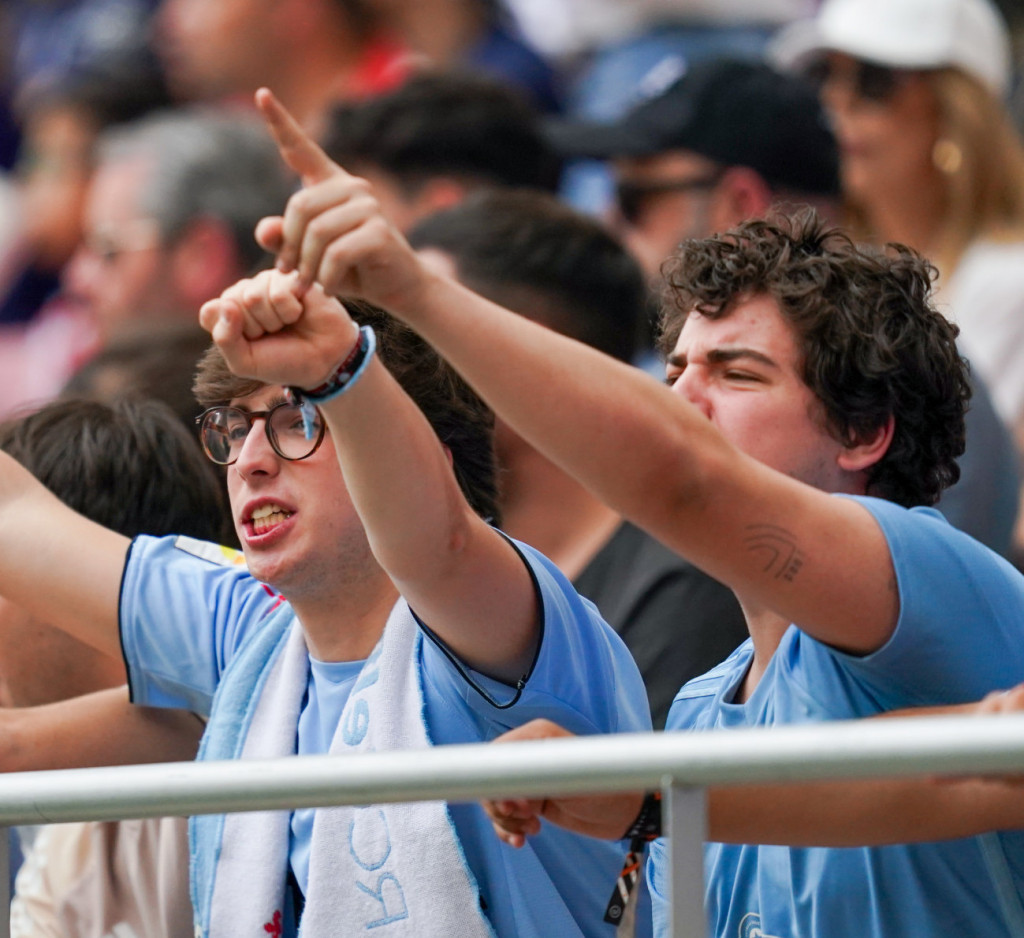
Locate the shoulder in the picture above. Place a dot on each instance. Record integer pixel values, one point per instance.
(557, 597)
(926, 549)
(924, 535)
(185, 554)
(583, 675)
(958, 599)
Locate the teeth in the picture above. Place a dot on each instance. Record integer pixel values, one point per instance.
(266, 516)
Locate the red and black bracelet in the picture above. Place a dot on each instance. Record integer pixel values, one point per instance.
(341, 379)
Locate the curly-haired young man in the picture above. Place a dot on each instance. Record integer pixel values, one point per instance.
(804, 369)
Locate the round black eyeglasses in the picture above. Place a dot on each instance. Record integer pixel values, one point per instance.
(223, 431)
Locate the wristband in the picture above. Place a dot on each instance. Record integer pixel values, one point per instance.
(647, 825)
(341, 379)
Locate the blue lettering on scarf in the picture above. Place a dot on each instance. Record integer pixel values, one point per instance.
(398, 895)
(369, 843)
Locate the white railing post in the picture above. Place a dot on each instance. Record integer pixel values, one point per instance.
(684, 819)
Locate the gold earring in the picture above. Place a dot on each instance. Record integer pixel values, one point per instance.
(947, 156)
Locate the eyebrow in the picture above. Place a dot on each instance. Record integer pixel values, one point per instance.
(270, 404)
(720, 356)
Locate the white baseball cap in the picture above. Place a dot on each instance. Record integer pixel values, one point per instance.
(968, 34)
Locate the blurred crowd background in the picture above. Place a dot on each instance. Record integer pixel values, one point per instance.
(133, 171)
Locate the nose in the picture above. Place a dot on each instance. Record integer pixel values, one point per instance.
(838, 93)
(837, 97)
(692, 386)
(257, 457)
(81, 274)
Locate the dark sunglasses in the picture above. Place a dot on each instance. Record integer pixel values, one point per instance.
(223, 431)
(870, 82)
(632, 197)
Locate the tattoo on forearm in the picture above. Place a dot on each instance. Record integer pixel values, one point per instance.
(782, 557)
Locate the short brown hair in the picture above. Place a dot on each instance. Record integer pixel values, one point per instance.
(460, 419)
(872, 344)
(129, 465)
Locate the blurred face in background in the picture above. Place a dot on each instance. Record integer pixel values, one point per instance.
(662, 200)
(215, 48)
(121, 270)
(53, 179)
(886, 122)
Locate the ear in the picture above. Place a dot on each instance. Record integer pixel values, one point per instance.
(438, 194)
(865, 453)
(204, 261)
(741, 194)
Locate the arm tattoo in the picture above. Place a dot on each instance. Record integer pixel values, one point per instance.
(782, 557)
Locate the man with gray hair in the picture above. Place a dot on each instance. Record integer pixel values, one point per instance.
(170, 214)
(167, 224)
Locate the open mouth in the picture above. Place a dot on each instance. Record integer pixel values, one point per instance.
(268, 516)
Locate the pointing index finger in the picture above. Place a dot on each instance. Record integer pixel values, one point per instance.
(299, 151)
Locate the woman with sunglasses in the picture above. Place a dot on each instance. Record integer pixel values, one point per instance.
(929, 158)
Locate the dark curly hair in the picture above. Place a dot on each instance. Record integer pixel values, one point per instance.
(872, 344)
(459, 417)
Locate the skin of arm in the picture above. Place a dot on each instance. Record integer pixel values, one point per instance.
(462, 577)
(642, 449)
(102, 728)
(59, 566)
(814, 814)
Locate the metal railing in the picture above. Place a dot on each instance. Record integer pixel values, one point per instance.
(683, 764)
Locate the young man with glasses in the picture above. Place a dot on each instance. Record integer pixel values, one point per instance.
(379, 610)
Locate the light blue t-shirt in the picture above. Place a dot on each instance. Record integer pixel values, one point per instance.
(330, 685)
(183, 618)
(960, 634)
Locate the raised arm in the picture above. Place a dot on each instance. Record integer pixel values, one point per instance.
(459, 575)
(102, 728)
(58, 565)
(647, 452)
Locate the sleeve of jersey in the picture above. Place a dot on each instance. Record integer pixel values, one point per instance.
(583, 676)
(186, 608)
(960, 632)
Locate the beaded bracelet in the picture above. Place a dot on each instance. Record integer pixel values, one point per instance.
(340, 380)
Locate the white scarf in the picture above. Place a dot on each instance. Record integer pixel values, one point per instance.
(394, 865)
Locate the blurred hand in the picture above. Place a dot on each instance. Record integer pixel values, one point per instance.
(1002, 701)
(993, 704)
(604, 816)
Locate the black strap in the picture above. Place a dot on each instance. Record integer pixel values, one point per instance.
(626, 882)
(642, 831)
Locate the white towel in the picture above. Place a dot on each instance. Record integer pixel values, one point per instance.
(395, 866)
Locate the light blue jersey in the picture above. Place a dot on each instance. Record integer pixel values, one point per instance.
(183, 618)
(960, 634)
